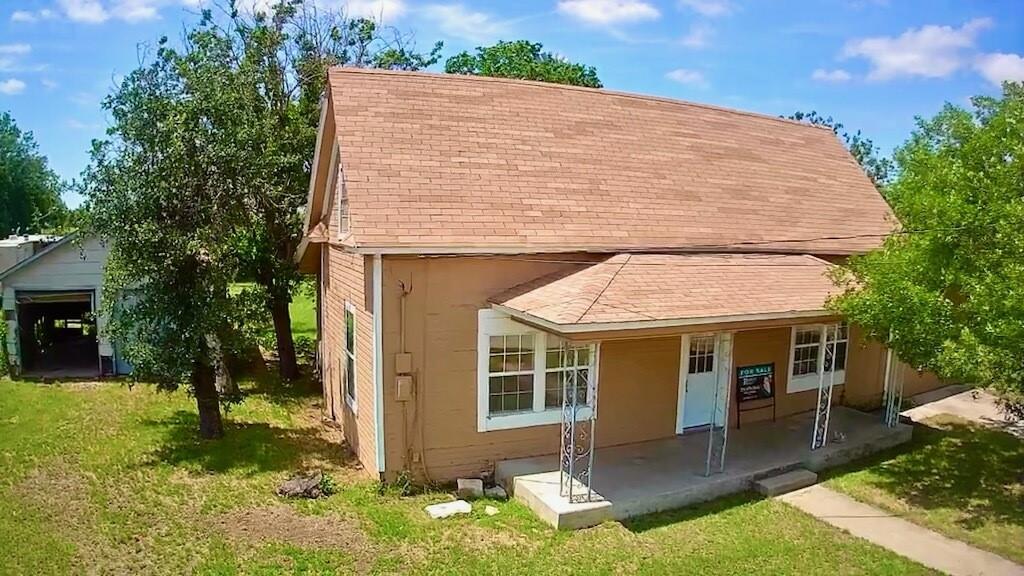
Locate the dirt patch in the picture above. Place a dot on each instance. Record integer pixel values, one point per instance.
(57, 488)
(283, 524)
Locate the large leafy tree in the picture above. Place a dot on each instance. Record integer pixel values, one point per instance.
(164, 189)
(202, 180)
(280, 60)
(524, 60)
(945, 293)
(29, 190)
(878, 168)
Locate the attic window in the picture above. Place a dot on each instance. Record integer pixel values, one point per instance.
(343, 219)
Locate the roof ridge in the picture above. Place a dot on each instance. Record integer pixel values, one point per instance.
(552, 85)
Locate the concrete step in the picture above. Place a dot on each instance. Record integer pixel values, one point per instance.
(788, 482)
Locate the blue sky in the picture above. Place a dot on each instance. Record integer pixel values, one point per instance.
(872, 64)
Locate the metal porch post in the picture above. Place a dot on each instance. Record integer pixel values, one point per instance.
(576, 453)
(819, 436)
(718, 436)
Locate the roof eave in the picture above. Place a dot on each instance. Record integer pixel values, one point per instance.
(588, 327)
(481, 250)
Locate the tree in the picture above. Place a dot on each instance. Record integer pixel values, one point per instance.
(164, 190)
(280, 61)
(878, 168)
(945, 291)
(524, 60)
(29, 190)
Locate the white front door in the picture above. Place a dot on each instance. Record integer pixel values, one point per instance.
(699, 381)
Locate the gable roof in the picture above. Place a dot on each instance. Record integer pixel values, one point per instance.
(37, 256)
(439, 162)
(655, 290)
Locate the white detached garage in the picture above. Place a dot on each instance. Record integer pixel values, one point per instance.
(51, 305)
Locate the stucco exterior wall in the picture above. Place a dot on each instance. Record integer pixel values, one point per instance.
(435, 432)
(344, 280)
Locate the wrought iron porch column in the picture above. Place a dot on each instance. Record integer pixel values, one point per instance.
(576, 453)
(892, 393)
(827, 357)
(718, 432)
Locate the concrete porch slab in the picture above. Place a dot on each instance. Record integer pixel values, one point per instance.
(636, 479)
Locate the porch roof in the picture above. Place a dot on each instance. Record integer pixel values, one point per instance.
(635, 291)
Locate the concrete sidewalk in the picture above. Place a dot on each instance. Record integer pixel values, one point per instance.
(971, 404)
(902, 537)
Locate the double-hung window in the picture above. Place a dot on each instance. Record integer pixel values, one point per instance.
(349, 357)
(521, 371)
(808, 357)
(561, 364)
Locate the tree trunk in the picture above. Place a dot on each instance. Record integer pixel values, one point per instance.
(226, 385)
(288, 367)
(205, 388)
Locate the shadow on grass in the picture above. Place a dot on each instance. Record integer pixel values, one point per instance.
(246, 446)
(261, 377)
(954, 464)
(647, 522)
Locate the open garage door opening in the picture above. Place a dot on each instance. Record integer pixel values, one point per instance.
(57, 335)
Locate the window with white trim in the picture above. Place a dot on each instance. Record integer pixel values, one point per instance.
(510, 374)
(558, 364)
(349, 357)
(343, 218)
(807, 352)
(520, 371)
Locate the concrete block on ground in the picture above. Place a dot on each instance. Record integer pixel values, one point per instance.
(446, 509)
(470, 488)
(496, 493)
(788, 482)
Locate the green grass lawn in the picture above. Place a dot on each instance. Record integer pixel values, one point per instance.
(302, 309)
(106, 479)
(961, 479)
(303, 313)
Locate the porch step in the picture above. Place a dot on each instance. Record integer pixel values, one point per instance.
(788, 482)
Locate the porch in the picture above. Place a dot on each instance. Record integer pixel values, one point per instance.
(635, 479)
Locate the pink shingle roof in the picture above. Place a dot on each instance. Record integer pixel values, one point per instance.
(688, 289)
(438, 161)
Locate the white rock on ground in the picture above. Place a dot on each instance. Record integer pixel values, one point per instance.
(490, 510)
(496, 493)
(470, 488)
(446, 509)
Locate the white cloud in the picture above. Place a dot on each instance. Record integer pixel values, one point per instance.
(135, 10)
(709, 8)
(698, 37)
(12, 86)
(15, 49)
(384, 10)
(48, 84)
(23, 16)
(457, 21)
(29, 16)
(930, 51)
(689, 77)
(608, 12)
(997, 67)
(832, 76)
(90, 11)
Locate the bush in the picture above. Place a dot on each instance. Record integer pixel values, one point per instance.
(305, 350)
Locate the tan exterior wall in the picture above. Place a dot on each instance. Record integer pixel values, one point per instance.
(639, 376)
(344, 280)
